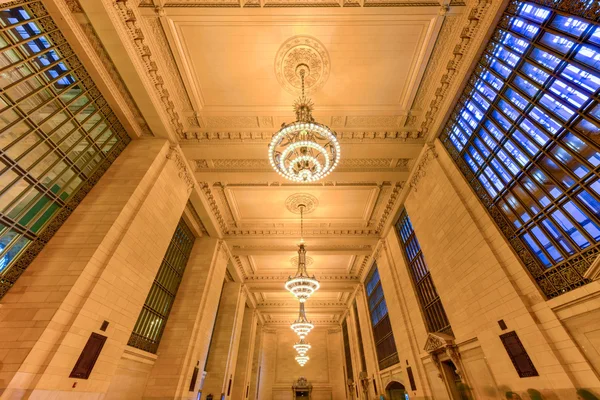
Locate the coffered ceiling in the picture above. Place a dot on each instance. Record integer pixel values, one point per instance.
(222, 75)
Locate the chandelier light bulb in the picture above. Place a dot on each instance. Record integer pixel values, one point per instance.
(301, 325)
(304, 151)
(302, 360)
(302, 285)
(302, 347)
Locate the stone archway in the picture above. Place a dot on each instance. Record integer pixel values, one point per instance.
(395, 391)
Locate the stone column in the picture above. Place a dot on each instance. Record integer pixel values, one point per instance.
(222, 359)
(366, 329)
(254, 378)
(267, 364)
(243, 369)
(98, 267)
(186, 337)
(335, 345)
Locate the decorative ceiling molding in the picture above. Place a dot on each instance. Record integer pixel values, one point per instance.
(390, 205)
(346, 165)
(129, 18)
(293, 303)
(421, 169)
(226, 137)
(214, 208)
(283, 278)
(464, 51)
(164, 55)
(296, 3)
(297, 201)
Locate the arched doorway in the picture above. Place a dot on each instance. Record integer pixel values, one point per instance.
(395, 391)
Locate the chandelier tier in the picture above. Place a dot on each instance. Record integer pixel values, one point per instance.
(302, 360)
(302, 347)
(302, 326)
(304, 151)
(302, 285)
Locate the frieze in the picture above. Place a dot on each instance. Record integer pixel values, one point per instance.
(297, 3)
(266, 136)
(350, 164)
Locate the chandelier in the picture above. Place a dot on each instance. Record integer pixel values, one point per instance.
(302, 326)
(302, 285)
(304, 151)
(302, 347)
(302, 360)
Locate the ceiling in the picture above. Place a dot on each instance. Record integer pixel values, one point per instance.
(225, 64)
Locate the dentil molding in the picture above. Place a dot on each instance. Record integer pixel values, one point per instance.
(174, 154)
(420, 171)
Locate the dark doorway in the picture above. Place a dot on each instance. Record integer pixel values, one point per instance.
(395, 390)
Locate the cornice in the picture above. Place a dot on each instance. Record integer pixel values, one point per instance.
(293, 303)
(129, 17)
(228, 137)
(294, 3)
(322, 278)
(478, 19)
(420, 171)
(262, 165)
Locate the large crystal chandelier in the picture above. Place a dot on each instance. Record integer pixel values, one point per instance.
(302, 347)
(304, 151)
(301, 325)
(302, 360)
(302, 285)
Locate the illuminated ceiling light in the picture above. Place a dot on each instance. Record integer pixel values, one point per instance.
(302, 285)
(302, 347)
(304, 151)
(302, 360)
(302, 326)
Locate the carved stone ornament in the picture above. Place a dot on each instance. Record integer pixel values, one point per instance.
(294, 202)
(421, 168)
(300, 50)
(184, 172)
(437, 341)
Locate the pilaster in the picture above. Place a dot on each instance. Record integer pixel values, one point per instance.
(222, 359)
(243, 369)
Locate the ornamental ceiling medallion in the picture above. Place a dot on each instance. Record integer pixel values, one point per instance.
(302, 50)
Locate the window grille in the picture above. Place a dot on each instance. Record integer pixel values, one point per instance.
(347, 351)
(429, 300)
(57, 135)
(151, 322)
(380, 321)
(525, 134)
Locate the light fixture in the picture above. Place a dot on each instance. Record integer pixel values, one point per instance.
(302, 360)
(302, 285)
(304, 151)
(302, 347)
(302, 326)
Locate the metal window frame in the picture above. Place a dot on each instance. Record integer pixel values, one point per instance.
(384, 360)
(566, 274)
(429, 300)
(99, 162)
(161, 297)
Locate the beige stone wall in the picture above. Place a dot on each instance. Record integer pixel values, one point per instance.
(279, 368)
(480, 281)
(99, 266)
(131, 377)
